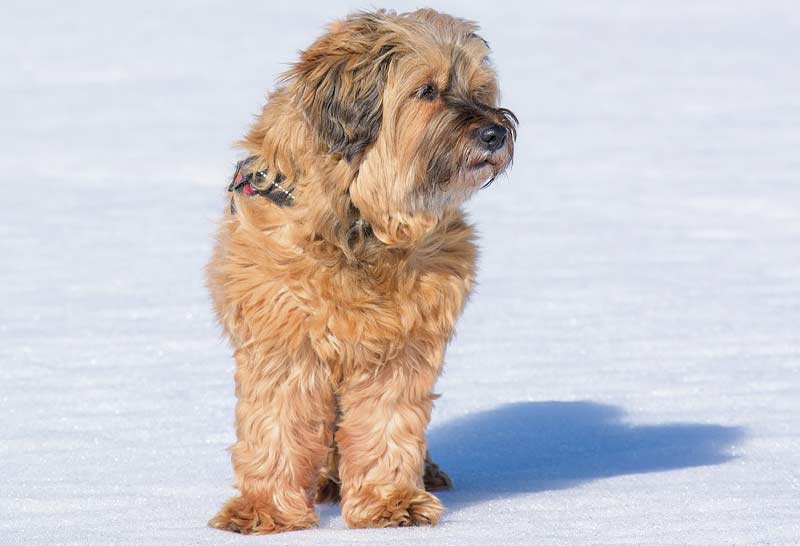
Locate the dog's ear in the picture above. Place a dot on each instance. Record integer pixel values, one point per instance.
(339, 82)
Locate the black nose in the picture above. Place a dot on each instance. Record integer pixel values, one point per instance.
(492, 137)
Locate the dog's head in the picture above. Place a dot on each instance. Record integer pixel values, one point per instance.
(410, 102)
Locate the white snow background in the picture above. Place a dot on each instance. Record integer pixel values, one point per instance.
(628, 371)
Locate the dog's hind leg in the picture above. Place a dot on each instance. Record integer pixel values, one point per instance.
(435, 478)
(328, 485)
(284, 426)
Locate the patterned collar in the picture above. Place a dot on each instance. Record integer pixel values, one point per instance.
(250, 183)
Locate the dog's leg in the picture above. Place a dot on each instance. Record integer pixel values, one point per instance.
(328, 485)
(284, 420)
(381, 439)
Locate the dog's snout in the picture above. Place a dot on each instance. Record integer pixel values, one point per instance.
(492, 137)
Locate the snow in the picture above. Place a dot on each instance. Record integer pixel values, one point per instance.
(628, 371)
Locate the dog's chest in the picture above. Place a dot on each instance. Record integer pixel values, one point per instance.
(281, 303)
(367, 322)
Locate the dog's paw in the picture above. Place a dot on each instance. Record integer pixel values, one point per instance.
(258, 517)
(398, 508)
(435, 478)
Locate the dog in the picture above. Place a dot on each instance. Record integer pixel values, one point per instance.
(343, 261)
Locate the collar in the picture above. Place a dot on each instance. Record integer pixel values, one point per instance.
(251, 183)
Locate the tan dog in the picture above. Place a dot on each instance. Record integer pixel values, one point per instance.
(344, 262)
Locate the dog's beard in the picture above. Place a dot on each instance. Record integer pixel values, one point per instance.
(452, 167)
(448, 184)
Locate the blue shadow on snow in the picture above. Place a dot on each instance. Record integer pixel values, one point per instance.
(538, 446)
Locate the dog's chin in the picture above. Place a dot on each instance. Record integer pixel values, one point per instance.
(474, 174)
(465, 184)
(482, 171)
(479, 174)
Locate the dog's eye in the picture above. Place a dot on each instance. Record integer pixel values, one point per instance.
(427, 92)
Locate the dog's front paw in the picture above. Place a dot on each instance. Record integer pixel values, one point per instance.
(259, 517)
(396, 508)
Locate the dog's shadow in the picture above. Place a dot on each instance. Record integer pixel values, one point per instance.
(537, 446)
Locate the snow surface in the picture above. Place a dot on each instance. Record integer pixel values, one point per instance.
(628, 371)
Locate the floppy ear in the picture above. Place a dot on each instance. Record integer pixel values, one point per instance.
(339, 80)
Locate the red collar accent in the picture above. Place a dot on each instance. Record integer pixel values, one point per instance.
(243, 182)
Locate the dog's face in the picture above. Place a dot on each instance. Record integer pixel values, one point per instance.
(411, 102)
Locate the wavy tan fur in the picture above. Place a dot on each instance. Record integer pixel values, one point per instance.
(339, 308)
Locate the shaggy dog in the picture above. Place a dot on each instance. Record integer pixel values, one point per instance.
(343, 262)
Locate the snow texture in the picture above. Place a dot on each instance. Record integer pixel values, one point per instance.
(628, 371)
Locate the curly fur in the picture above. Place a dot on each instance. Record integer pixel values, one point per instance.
(340, 307)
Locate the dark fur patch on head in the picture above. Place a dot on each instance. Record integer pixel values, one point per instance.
(341, 79)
